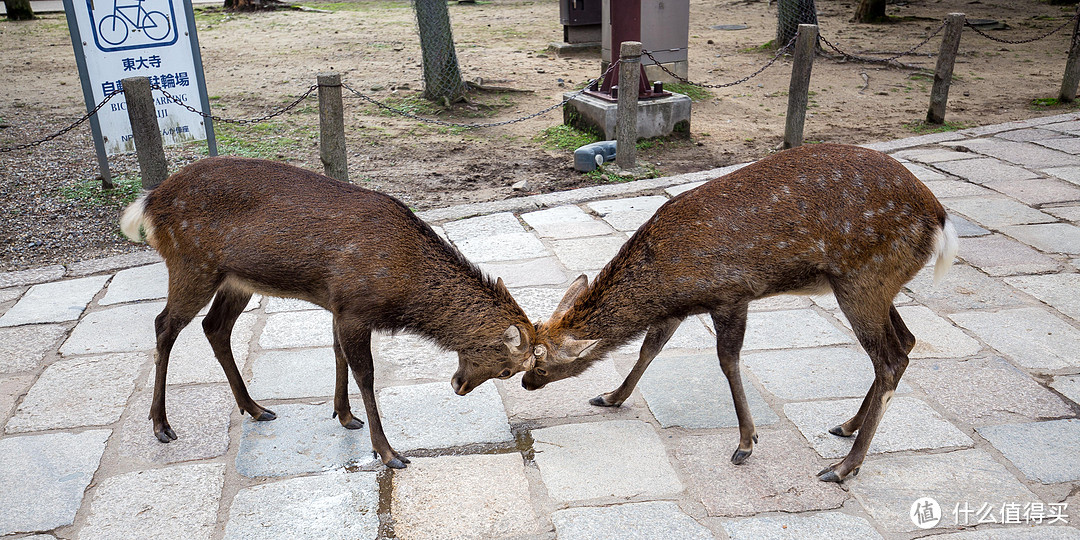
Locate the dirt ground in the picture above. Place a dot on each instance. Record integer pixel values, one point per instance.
(257, 62)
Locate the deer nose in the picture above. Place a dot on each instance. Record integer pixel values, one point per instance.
(459, 385)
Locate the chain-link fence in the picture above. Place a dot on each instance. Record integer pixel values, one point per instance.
(442, 76)
(789, 15)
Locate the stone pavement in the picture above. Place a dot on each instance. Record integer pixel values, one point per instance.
(984, 423)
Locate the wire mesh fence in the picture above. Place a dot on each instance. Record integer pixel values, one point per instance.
(442, 75)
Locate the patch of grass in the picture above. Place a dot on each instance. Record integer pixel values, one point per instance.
(602, 175)
(564, 137)
(921, 127)
(769, 46)
(695, 93)
(1052, 103)
(266, 140)
(88, 191)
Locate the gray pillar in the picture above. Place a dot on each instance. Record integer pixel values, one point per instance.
(799, 89)
(332, 127)
(145, 131)
(950, 43)
(627, 113)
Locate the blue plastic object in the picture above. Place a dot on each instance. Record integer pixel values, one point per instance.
(590, 156)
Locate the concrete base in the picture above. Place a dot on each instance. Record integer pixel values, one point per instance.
(572, 49)
(656, 117)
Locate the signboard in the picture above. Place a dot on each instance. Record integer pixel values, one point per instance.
(117, 39)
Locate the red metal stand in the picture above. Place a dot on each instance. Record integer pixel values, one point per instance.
(625, 26)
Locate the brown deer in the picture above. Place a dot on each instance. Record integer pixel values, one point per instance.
(803, 221)
(231, 226)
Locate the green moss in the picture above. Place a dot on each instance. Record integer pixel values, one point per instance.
(565, 137)
(695, 93)
(89, 191)
(922, 127)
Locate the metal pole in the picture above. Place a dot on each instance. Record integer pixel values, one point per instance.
(332, 127)
(950, 43)
(799, 89)
(88, 94)
(1072, 66)
(627, 114)
(145, 131)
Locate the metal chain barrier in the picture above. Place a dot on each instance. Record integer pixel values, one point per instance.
(893, 58)
(216, 118)
(1021, 41)
(84, 118)
(684, 80)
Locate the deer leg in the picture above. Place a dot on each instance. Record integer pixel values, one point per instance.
(355, 341)
(907, 339)
(342, 408)
(730, 325)
(655, 339)
(228, 304)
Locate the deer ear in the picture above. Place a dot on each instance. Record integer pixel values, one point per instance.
(576, 348)
(500, 285)
(516, 340)
(580, 285)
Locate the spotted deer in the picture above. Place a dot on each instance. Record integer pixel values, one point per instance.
(228, 227)
(804, 221)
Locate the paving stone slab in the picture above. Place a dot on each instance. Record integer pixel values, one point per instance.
(825, 372)
(44, 477)
(293, 329)
(294, 374)
(198, 415)
(683, 188)
(117, 329)
(545, 271)
(691, 391)
(567, 398)
(303, 439)
(80, 392)
(779, 476)
(579, 254)
(23, 348)
(936, 337)
(908, 142)
(791, 329)
(1049, 237)
(636, 521)
(633, 462)
(502, 247)
(832, 525)
(31, 276)
(482, 226)
(954, 187)
(982, 170)
(1064, 126)
(1044, 451)
(169, 503)
(908, 424)
(924, 174)
(331, 506)
(1032, 337)
(888, 487)
(1068, 213)
(431, 416)
(150, 282)
(565, 222)
(1016, 532)
(933, 155)
(998, 255)
(466, 497)
(113, 263)
(1069, 386)
(58, 301)
(192, 359)
(781, 302)
(963, 288)
(997, 213)
(1057, 290)
(1019, 153)
(275, 304)
(11, 293)
(693, 333)
(408, 357)
(1037, 191)
(1069, 173)
(630, 213)
(12, 387)
(985, 391)
(538, 303)
(967, 229)
(1030, 135)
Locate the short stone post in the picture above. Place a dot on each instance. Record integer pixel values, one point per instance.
(145, 131)
(1072, 65)
(950, 43)
(332, 127)
(799, 89)
(627, 113)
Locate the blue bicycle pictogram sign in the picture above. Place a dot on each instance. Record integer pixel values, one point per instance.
(132, 26)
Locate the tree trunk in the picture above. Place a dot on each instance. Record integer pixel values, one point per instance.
(442, 76)
(19, 10)
(790, 14)
(870, 11)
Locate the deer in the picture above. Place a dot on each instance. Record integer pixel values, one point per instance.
(808, 220)
(228, 227)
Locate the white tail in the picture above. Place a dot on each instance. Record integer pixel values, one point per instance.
(946, 245)
(133, 223)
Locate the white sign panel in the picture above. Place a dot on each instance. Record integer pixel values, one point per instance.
(140, 38)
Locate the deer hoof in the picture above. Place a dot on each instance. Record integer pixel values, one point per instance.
(397, 463)
(754, 438)
(601, 401)
(740, 456)
(829, 474)
(265, 415)
(165, 435)
(839, 431)
(354, 424)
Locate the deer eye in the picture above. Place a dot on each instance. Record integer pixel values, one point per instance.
(506, 373)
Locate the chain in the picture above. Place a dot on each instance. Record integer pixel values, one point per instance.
(84, 118)
(283, 110)
(1020, 41)
(684, 80)
(908, 52)
(474, 126)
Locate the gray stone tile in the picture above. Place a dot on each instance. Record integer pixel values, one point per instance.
(832, 525)
(1069, 386)
(1030, 135)
(779, 476)
(97, 332)
(887, 487)
(293, 329)
(174, 502)
(924, 174)
(1044, 451)
(431, 416)
(946, 189)
(44, 477)
(1068, 213)
(567, 398)
(466, 497)
(825, 372)
(781, 302)
(691, 391)
(919, 140)
(693, 333)
(982, 170)
(149, 282)
(787, 329)
(996, 213)
(998, 255)
(23, 348)
(628, 214)
(502, 247)
(933, 155)
(192, 359)
(12, 387)
(294, 374)
(199, 416)
(984, 391)
(538, 303)
(580, 254)
(1050, 237)
(1030, 336)
(482, 226)
(963, 288)
(1037, 191)
(31, 276)
(11, 293)
(545, 271)
(565, 222)
(113, 263)
(332, 506)
(303, 439)
(1020, 153)
(633, 462)
(1057, 290)
(936, 337)
(683, 188)
(908, 424)
(408, 357)
(1065, 127)
(80, 392)
(58, 301)
(1069, 145)
(277, 305)
(1069, 173)
(636, 521)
